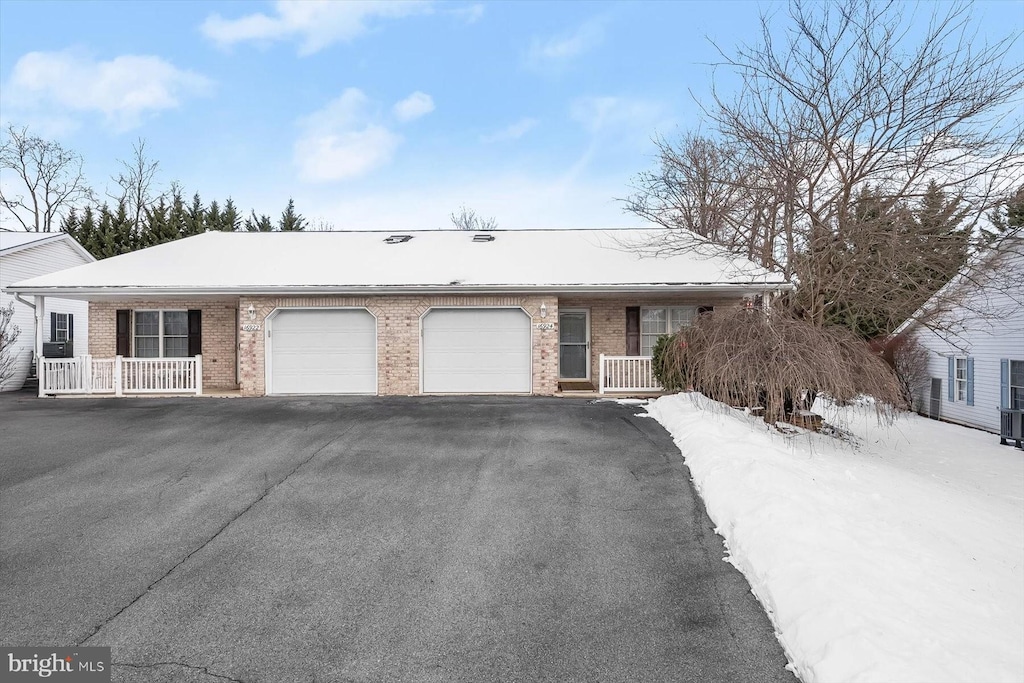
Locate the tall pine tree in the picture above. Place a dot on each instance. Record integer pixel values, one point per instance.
(290, 220)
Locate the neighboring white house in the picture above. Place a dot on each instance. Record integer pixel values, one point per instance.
(976, 367)
(30, 254)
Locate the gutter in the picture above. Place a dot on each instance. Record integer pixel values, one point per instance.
(114, 292)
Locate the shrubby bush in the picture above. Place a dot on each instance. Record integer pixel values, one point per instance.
(746, 358)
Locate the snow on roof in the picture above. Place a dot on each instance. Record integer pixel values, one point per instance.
(13, 240)
(216, 262)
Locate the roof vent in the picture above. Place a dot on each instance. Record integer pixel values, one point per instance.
(483, 238)
(397, 239)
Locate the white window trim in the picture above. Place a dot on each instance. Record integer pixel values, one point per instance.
(160, 329)
(960, 382)
(58, 329)
(668, 324)
(1011, 385)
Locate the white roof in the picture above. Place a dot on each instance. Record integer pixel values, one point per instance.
(11, 242)
(438, 260)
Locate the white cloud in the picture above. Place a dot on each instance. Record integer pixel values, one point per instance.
(469, 14)
(125, 89)
(556, 51)
(516, 199)
(316, 24)
(600, 114)
(414, 106)
(341, 141)
(512, 131)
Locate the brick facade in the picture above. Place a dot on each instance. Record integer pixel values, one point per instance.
(608, 318)
(398, 332)
(218, 333)
(398, 336)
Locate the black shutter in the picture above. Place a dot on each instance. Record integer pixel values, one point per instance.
(705, 309)
(632, 330)
(53, 326)
(71, 327)
(124, 325)
(195, 332)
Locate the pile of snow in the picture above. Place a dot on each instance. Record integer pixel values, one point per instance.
(896, 555)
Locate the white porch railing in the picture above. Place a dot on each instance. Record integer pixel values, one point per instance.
(626, 373)
(120, 376)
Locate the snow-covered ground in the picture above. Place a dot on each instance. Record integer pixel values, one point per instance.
(897, 558)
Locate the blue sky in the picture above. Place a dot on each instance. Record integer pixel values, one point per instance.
(379, 114)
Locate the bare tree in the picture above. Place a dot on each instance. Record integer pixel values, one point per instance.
(849, 100)
(135, 184)
(9, 334)
(468, 219)
(49, 180)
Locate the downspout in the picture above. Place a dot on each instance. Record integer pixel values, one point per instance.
(37, 341)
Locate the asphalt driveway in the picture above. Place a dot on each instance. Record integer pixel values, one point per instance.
(426, 539)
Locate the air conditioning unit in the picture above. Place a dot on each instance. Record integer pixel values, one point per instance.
(1011, 426)
(58, 349)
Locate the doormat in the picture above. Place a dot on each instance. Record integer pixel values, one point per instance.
(576, 385)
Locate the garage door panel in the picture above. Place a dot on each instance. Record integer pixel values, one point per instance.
(476, 351)
(323, 352)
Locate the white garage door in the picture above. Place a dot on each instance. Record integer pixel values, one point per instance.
(323, 352)
(476, 351)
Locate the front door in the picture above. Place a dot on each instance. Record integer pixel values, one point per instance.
(573, 345)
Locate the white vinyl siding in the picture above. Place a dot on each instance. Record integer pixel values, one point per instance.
(476, 351)
(987, 341)
(160, 334)
(656, 322)
(323, 351)
(34, 261)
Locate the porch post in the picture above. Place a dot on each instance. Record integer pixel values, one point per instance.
(600, 374)
(38, 342)
(199, 375)
(118, 389)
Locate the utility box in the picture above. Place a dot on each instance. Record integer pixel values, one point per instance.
(1011, 427)
(58, 349)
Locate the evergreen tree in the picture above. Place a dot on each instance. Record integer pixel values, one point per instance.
(177, 215)
(125, 239)
(290, 220)
(1007, 215)
(195, 217)
(105, 243)
(87, 235)
(230, 220)
(158, 228)
(213, 217)
(71, 225)
(258, 224)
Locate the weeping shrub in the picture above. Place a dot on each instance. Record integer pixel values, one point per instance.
(669, 376)
(745, 358)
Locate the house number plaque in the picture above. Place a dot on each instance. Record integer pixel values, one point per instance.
(545, 326)
(251, 327)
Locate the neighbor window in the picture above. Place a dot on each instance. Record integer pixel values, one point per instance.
(1017, 384)
(161, 334)
(960, 378)
(655, 322)
(61, 327)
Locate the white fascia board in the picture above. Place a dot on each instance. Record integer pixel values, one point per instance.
(126, 292)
